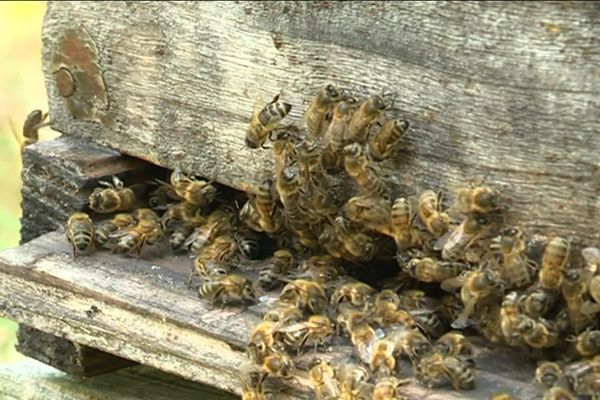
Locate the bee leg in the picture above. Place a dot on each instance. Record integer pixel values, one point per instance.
(189, 282)
(74, 250)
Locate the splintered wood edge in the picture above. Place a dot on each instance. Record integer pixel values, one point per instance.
(140, 310)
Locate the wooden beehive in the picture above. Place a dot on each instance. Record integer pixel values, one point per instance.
(501, 92)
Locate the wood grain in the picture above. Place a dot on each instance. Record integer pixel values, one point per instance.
(497, 91)
(141, 310)
(35, 381)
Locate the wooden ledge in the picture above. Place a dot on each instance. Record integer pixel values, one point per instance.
(141, 310)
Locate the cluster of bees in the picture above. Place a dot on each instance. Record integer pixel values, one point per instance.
(349, 259)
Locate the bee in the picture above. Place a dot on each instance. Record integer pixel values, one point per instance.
(105, 228)
(31, 126)
(162, 197)
(429, 211)
(317, 330)
(402, 218)
(146, 231)
(587, 343)
(554, 260)
(179, 235)
(478, 284)
(536, 302)
(217, 223)
(428, 320)
(478, 200)
(252, 387)
(250, 217)
(584, 377)
(264, 120)
(321, 269)
(454, 244)
(322, 104)
(516, 269)
(374, 213)
(430, 270)
(113, 197)
(283, 313)
(388, 389)
(539, 333)
(436, 369)
(510, 318)
(548, 374)
(274, 269)
(366, 114)
(278, 365)
(353, 381)
(384, 142)
(305, 295)
(181, 213)
(411, 343)
(227, 289)
(558, 393)
(356, 245)
(322, 377)
(247, 243)
(574, 289)
(382, 361)
(336, 131)
(349, 318)
(592, 257)
(453, 344)
(80, 232)
(412, 299)
(262, 341)
(358, 294)
(197, 192)
(364, 173)
(205, 268)
(266, 206)
(363, 338)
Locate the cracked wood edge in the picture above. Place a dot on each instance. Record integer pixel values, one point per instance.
(145, 313)
(501, 92)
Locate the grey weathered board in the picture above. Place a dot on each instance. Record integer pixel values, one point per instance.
(505, 92)
(141, 310)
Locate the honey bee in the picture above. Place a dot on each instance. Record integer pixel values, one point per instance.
(348, 318)
(510, 318)
(198, 192)
(322, 104)
(262, 342)
(429, 211)
(221, 249)
(162, 196)
(283, 313)
(516, 270)
(252, 387)
(317, 330)
(105, 228)
(321, 269)
(574, 289)
(454, 244)
(436, 369)
(387, 316)
(266, 206)
(217, 223)
(429, 321)
(278, 365)
(264, 120)
(478, 200)
(539, 333)
(274, 269)
(558, 393)
(430, 270)
(592, 258)
(113, 197)
(388, 389)
(179, 235)
(453, 344)
(322, 377)
(356, 245)
(382, 361)
(548, 374)
(384, 142)
(363, 338)
(364, 173)
(31, 126)
(80, 232)
(554, 260)
(336, 131)
(250, 217)
(536, 302)
(229, 289)
(358, 294)
(587, 343)
(478, 284)
(146, 231)
(584, 377)
(305, 295)
(402, 218)
(353, 382)
(181, 213)
(205, 268)
(361, 121)
(374, 213)
(411, 343)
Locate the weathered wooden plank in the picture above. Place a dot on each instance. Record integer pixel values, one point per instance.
(35, 381)
(62, 354)
(58, 176)
(502, 91)
(141, 310)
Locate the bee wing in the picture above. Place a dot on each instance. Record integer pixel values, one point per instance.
(119, 233)
(442, 240)
(298, 326)
(591, 255)
(170, 189)
(452, 284)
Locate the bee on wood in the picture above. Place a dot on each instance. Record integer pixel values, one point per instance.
(316, 114)
(554, 260)
(113, 197)
(33, 123)
(353, 382)
(592, 257)
(538, 333)
(548, 374)
(349, 318)
(305, 295)
(478, 200)
(206, 268)
(587, 343)
(373, 213)
(264, 121)
(510, 319)
(366, 175)
(515, 269)
(429, 211)
(411, 343)
(278, 365)
(402, 218)
(430, 270)
(147, 230)
(584, 377)
(250, 217)
(180, 234)
(198, 192)
(358, 294)
(283, 313)
(105, 228)
(453, 344)
(181, 213)
(322, 377)
(383, 362)
(574, 290)
(229, 289)
(389, 388)
(252, 386)
(454, 244)
(436, 369)
(315, 331)
(336, 131)
(363, 338)
(217, 223)
(162, 196)
(321, 269)
(356, 244)
(385, 142)
(558, 393)
(270, 220)
(275, 268)
(366, 114)
(80, 232)
(262, 341)
(536, 302)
